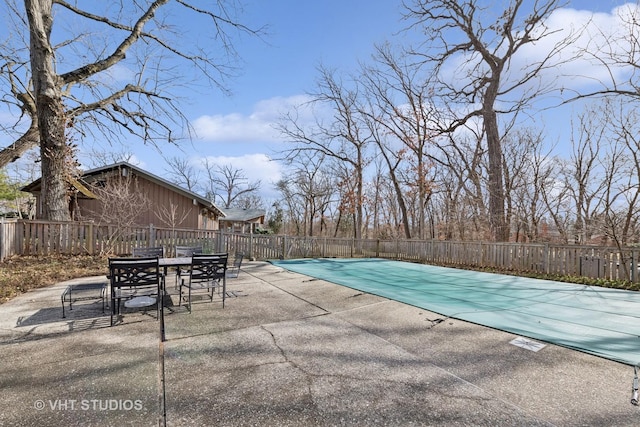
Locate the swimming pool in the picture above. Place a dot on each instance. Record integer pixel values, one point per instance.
(600, 321)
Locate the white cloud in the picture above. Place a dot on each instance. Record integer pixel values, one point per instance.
(136, 161)
(254, 166)
(233, 128)
(259, 126)
(601, 34)
(120, 72)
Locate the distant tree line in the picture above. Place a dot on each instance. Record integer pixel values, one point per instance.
(433, 141)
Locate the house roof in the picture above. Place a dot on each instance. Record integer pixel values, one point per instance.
(34, 187)
(243, 215)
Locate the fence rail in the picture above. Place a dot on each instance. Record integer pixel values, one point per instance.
(20, 237)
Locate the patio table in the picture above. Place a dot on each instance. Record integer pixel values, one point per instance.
(174, 262)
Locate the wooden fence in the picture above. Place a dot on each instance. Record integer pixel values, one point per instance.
(42, 237)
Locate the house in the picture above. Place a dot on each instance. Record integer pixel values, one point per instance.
(122, 193)
(242, 220)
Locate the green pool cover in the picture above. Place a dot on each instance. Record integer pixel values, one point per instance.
(600, 321)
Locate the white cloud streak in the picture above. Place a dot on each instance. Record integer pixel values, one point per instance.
(259, 126)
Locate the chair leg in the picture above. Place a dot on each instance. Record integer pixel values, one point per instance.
(224, 289)
(113, 309)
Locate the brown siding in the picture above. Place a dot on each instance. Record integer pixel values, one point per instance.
(164, 204)
(167, 208)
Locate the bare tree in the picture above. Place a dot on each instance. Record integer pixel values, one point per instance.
(393, 159)
(231, 182)
(249, 201)
(119, 203)
(485, 86)
(556, 196)
(172, 215)
(183, 173)
(622, 210)
(294, 207)
(400, 103)
(308, 192)
(99, 158)
(527, 166)
(374, 200)
(618, 53)
(138, 36)
(344, 138)
(584, 174)
(461, 160)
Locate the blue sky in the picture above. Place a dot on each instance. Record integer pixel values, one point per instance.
(277, 72)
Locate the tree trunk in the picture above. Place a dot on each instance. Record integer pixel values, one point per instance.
(402, 206)
(359, 198)
(497, 221)
(50, 112)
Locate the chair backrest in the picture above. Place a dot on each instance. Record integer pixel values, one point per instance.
(234, 271)
(206, 267)
(237, 261)
(149, 252)
(134, 272)
(182, 251)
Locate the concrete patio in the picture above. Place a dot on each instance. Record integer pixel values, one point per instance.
(289, 350)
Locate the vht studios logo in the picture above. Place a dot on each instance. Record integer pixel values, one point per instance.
(89, 405)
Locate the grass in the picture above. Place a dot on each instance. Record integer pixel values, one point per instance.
(19, 274)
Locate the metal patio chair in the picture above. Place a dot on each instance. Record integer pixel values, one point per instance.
(185, 251)
(234, 270)
(137, 281)
(182, 251)
(207, 273)
(157, 251)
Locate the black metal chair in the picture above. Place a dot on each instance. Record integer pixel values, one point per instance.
(207, 273)
(135, 280)
(182, 251)
(185, 251)
(154, 251)
(234, 270)
(157, 251)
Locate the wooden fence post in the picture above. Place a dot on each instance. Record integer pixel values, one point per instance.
(152, 236)
(545, 259)
(3, 243)
(250, 254)
(90, 239)
(284, 247)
